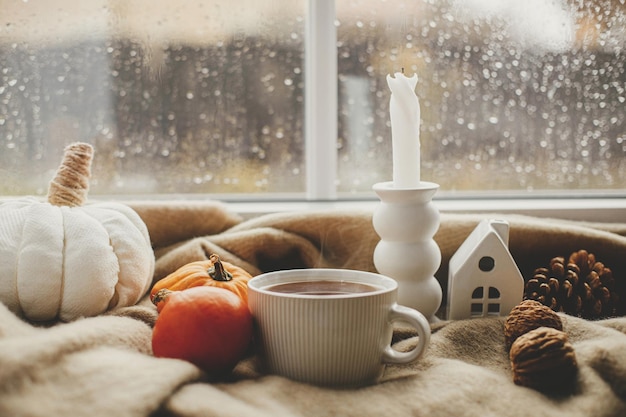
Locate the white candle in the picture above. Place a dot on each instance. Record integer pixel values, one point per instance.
(404, 109)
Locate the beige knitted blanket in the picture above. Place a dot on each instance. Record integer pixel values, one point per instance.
(102, 366)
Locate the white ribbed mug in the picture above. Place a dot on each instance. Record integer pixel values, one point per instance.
(337, 339)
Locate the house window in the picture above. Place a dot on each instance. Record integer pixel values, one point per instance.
(212, 96)
(481, 306)
(486, 263)
(477, 294)
(494, 293)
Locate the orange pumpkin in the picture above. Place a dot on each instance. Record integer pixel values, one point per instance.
(207, 326)
(212, 272)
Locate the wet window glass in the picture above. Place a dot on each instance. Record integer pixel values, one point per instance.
(176, 97)
(515, 96)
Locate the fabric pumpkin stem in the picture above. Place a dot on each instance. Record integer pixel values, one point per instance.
(71, 182)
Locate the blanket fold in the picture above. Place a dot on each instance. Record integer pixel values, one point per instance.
(336, 239)
(103, 366)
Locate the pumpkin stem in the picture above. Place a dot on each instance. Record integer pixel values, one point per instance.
(160, 295)
(71, 182)
(217, 271)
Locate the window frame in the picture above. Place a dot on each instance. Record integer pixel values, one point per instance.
(321, 96)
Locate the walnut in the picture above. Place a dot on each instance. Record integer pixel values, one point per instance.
(543, 359)
(526, 316)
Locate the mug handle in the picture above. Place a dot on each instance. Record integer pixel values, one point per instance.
(419, 322)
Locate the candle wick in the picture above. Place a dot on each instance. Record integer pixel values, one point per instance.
(403, 70)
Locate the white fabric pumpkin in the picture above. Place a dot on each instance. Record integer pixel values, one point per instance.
(64, 262)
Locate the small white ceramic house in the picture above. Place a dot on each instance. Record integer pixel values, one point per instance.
(483, 279)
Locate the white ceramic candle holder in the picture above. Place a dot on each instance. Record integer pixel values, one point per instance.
(406, 221)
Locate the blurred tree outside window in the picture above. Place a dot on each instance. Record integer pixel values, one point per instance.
(207, 96)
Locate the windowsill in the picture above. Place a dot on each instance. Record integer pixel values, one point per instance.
(610, 210)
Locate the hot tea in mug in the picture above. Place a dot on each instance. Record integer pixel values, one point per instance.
(330, 327)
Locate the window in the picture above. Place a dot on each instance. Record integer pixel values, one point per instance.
(480, 307)
(210, 96)
(486, 263)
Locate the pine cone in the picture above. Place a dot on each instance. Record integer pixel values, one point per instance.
(579, 287)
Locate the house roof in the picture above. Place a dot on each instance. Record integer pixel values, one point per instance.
(488, 232)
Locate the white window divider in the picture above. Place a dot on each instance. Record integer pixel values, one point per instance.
(321, 100)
